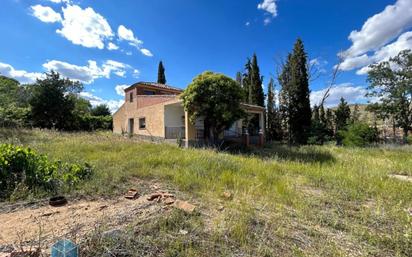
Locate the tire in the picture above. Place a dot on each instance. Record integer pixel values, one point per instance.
(58, 201)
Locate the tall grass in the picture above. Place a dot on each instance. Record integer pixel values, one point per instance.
(308, 201)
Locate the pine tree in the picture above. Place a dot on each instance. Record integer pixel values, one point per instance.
(161, 77)
(342, 119)
(295, 82)
(273, 123)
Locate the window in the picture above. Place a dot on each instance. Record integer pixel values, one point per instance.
(131, 97)
(142, 123)
(149, 92)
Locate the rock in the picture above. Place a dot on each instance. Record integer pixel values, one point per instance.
(169, 201)
(154, 196)
(184, 206)
(227, 195)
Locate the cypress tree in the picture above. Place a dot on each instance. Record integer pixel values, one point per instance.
(273, 123)
(295, 83)
(252, 82)
(284, 99)
(246, 82)
(161, 77)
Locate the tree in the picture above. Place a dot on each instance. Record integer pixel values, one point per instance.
(216, 98)
(161, 77)
(14, 108)
(101, 110)
(391, 82)
(342, 118)
(253, 82)
(295, 87)
(273, 123)
(52, 101)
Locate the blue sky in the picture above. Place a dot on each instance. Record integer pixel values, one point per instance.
(109, 44)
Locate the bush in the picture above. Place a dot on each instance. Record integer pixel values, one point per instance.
(359, 134)
(20, 165)
(409, 140)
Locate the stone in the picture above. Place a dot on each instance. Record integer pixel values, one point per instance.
(227, 195)
(169, 201)
(184, 206)
(154, 196)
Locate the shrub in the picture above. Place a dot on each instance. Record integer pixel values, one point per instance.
(359, 134)
(409, 140)
(20, 165)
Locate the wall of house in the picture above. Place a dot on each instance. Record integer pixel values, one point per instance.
(119, 121)
(154, 116)
(174, 116)
(148, 100)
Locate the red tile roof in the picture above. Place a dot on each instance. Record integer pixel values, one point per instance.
(153, 84)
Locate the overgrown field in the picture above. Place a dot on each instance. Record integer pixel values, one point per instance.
(308, 201)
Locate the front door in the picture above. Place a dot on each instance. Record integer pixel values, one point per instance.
(131, 127)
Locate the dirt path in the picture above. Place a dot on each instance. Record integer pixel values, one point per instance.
(25, 225)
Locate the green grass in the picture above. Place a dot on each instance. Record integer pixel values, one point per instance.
(308, 201)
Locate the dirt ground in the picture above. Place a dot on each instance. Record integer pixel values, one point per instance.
(25, 225)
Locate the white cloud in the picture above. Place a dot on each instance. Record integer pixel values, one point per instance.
(120, 89)
(351, 93)
(46, 14)
(128, 36)
(382, 36)
(85, 27)
(269, 6)
(112, 46)
(87, 74)
(383, 54)
(136, 73)
(381, 28)
(20, 75)
(113, 105)
(146, 52)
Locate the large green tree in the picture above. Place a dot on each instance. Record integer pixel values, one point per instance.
(391, 82)
(216, 98)
(253, 83)
(161, 76)
(101, 110)
(14, 108)
(295, 95)
(52, 101)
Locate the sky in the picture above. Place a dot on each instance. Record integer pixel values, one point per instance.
(110, 44)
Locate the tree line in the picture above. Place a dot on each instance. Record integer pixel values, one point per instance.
(290, 117)
(52, 102)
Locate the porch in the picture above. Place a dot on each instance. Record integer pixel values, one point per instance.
(178, 127)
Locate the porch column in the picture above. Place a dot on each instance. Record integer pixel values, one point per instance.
(261, 129)
(190, 131)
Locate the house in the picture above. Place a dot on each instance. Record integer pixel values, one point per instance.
(155, 112)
